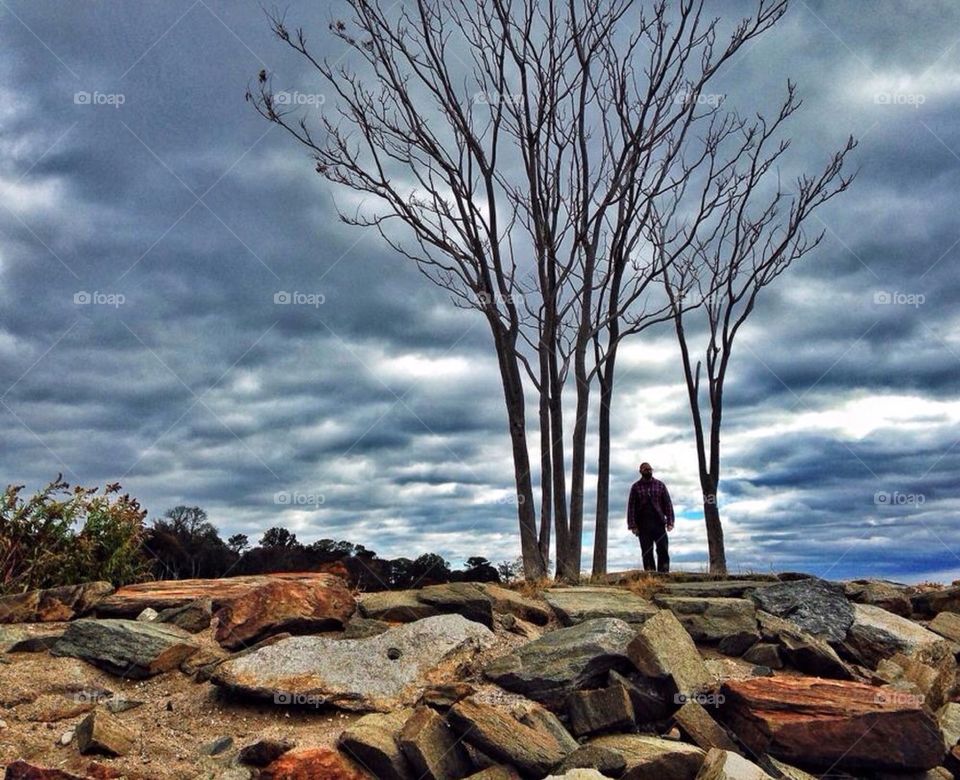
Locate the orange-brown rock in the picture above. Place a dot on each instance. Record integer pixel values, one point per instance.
(131, 600)
(283, 605)
(21, 770)
(832, 724)
(53, 604)
(312, 764)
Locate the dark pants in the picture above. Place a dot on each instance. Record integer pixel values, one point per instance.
(653, 533)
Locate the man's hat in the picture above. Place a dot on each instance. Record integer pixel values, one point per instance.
(645, 465)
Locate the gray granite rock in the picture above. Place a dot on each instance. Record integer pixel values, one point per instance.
(377, 673)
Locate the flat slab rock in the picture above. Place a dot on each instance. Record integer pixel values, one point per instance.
(654, 757)
(735, 589)
(131, 600)
(378, 673)
(710, 619)
(128, 648)
(832, 724)
(575, 605)
(568, 659)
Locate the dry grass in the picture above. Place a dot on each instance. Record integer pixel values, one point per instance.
(645, 584)
(532, 589)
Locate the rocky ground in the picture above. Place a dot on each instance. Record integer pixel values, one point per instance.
(295, 676)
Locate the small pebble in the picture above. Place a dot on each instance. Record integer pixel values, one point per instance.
(66, 738)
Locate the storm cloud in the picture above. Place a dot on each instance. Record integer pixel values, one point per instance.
(181, 309)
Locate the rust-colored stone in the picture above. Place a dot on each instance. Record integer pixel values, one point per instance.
(297, 607)
(131, 600)
(312, 764)
(832, 723)
(21, 770)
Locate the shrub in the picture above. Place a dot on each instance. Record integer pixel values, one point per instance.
(63, 535)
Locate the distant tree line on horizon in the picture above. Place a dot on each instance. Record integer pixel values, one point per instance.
(185, 544)
(64, 535)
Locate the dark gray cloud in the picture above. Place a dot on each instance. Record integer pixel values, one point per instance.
(379, 407)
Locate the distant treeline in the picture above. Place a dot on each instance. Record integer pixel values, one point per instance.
(184, 544)
(64, 534)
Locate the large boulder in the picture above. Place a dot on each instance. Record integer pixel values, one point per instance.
(831, 724)
(128, 648)
(801, 650)
(713, 619)
(653, 757)
(395, 606)
(662, 649)
(569, 659)
(283, 605)
(460, 598)
(131, 600)
(378, 673)
(53, 604)
(816, 606)
(891, 596)
(576, 605)
(534, 747)
(877, 634)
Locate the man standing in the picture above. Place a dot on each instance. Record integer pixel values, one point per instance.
(650, 517)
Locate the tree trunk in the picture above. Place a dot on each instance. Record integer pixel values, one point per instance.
(603, 470)
(559, 472)
(578, 468)
(710, 480)
(711, 515)
(534, 566)
(546, 462)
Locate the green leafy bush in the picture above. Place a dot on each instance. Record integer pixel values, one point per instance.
(63, 535)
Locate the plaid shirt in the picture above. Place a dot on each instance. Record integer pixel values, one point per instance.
(658, 496)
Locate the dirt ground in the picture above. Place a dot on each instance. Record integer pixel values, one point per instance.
(42, 697)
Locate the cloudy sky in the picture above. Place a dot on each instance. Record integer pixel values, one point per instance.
(148, 217)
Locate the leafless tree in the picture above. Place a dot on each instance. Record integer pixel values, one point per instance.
(519, 153)
(756, 235)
